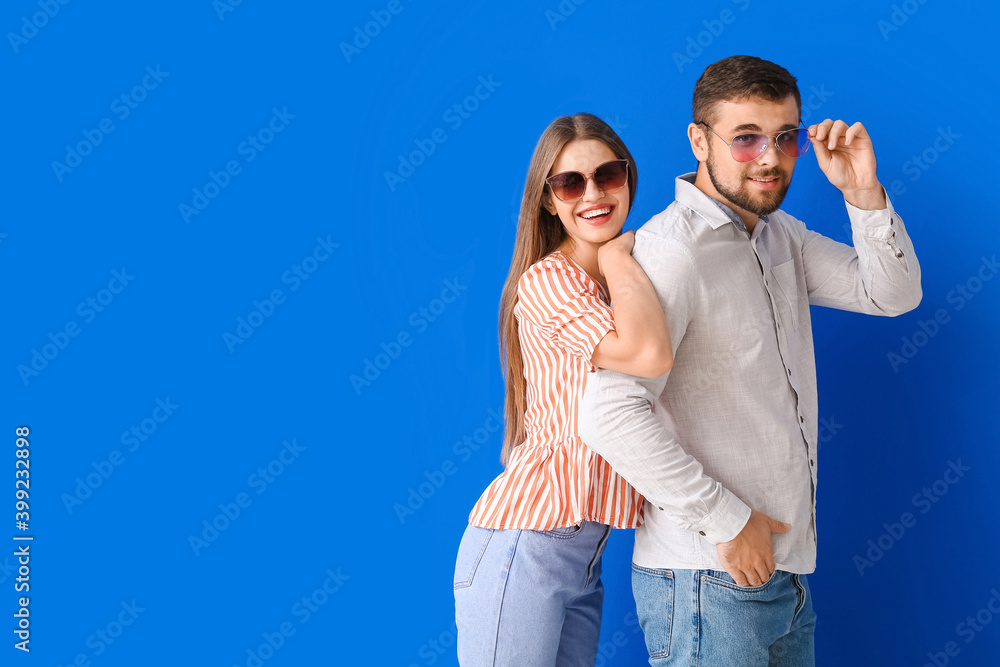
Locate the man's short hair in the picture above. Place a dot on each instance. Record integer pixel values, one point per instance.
(740, 78)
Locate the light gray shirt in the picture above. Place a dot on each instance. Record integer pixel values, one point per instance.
(734, 424)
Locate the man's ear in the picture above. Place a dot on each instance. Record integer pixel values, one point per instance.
(699, 141)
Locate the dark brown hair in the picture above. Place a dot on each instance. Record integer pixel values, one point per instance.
(538, 234)
(739, 78)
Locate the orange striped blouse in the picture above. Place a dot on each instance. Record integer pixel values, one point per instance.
(553, 479)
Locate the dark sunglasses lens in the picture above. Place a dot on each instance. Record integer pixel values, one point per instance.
(568, 185)
(794, 143)
(747, 147)
(611, 175)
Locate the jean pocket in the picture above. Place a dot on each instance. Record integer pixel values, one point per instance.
(563, 533)
(725, 580)
(470, 552)
(654, 601)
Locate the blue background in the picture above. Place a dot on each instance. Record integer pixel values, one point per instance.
(380, 487)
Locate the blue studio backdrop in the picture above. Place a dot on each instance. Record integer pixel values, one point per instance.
(252, 254)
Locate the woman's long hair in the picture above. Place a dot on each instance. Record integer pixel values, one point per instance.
(538, 234)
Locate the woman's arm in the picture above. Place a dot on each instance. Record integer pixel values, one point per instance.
(640, 344)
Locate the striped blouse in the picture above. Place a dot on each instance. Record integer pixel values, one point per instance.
(553, 480)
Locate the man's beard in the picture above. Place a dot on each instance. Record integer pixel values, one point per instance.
(761, 203)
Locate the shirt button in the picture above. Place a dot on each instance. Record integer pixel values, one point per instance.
(812, 463)
(660, 508)
(789, 371)
(899, 254)
(702, 533)
(802, 420)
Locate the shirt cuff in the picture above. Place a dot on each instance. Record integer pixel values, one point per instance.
(725, 521)
(877, 224)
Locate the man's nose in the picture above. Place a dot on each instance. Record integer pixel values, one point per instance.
(770, 155)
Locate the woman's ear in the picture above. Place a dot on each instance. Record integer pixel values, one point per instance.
(548, 205)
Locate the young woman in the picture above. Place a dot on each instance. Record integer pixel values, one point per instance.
(527, 578)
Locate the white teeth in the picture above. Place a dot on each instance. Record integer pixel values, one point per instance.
(595, 213)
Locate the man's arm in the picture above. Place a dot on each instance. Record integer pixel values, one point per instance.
(880, 275)
(617, 421)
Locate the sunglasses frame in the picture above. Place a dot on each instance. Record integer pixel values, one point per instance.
(588, 178)
(775, 136)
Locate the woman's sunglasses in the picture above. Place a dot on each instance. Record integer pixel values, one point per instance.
(570, 185)
(749, 147)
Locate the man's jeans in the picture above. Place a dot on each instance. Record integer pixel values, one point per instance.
(702, 617)
(529, 598)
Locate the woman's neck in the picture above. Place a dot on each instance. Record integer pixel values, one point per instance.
(586, 256)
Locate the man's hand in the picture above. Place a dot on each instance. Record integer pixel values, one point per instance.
(847, 157)
(749, 557)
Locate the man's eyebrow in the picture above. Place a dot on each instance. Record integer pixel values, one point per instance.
(753, 127)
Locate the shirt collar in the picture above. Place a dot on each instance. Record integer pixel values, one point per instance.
(712, 210)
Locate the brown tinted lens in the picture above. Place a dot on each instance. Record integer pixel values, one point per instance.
(568, 185)
(611, 176)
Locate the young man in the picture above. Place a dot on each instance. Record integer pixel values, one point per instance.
(723, 446)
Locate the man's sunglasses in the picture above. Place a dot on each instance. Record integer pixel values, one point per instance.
(570, 185)
(749, 147)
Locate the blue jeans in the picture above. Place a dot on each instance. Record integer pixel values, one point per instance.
(529, 598)
(702, 617)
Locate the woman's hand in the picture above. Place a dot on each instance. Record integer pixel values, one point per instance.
(615, 249)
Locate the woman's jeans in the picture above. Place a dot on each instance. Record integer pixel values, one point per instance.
(527, 598)
(702, 617)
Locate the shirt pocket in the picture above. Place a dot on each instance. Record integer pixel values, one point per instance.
(784, 294)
